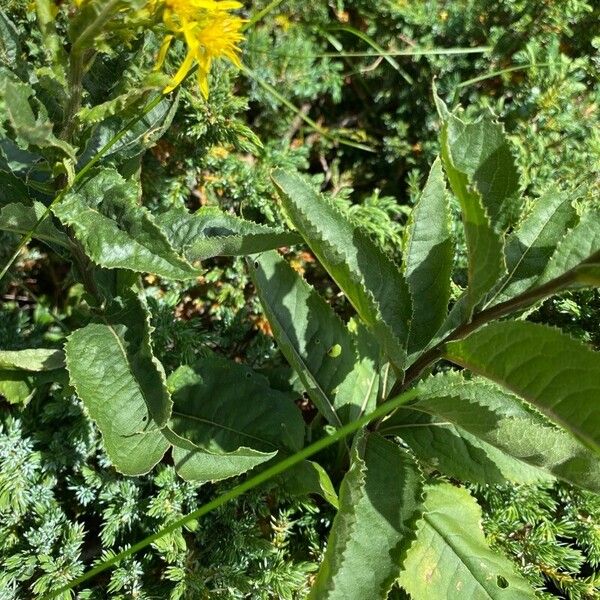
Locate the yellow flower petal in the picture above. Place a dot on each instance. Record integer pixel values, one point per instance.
(209, 32)
(162, 54)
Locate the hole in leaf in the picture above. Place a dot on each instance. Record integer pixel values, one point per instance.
(501, 582)
(144, 418)
(256, 264)
(248, 375)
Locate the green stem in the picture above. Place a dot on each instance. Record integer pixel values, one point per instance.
(520, 302)
(242, 488)
(80, 46)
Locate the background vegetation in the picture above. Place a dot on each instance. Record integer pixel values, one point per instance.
(355, 124)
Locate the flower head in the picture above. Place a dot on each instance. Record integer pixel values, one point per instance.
(209, 31)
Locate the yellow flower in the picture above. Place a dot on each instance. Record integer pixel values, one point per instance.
(209, 31)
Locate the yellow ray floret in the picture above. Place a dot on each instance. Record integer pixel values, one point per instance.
(209, 30)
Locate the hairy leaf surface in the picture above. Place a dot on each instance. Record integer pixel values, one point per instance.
(211, 232)
(230, 420)
(116, 231)
(306, 329)
(471, 162)
(481, 433)
(428, 259)
(580, 244)
(554, 372)
(20, 219)
(380, 501)
(369, 278)
(531, 245)
(122, 385)
(450, 557)
(37, 359)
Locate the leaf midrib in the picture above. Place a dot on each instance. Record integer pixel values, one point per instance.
(225, 428)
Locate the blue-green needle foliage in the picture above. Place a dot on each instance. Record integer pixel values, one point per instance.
(63, 507)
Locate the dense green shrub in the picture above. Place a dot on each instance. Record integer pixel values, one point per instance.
(211, 156)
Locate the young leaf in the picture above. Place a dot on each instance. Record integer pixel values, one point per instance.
(530, 246)
(428, 260)
(380, 501)
(450, 557)
(580, 244)
(481, 151)
(17, 387)
(456, 453)
(456, 422)
(470, 163)
(21, 218)
(141, 135)
(371, 281)
(211, 232)
(230, 418)
(305, 328)
(556, 373)
(122, 385)
(30, 130)
(116, 231)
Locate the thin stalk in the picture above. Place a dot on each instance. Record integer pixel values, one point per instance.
(377, 48)
(312, 124)
(411, 52)
(493, 74)
(242, 488)
(262, 13)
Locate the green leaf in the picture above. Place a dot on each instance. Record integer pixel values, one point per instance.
(580, 244)
(17, 387)
(428, 259)
(141, 134)
(450, 557)
(211, 232)
(359, 392)
(122, 385)
(116, 231)
(35, 360)
(20, 218)
(305, 328)
(369, 278)
(380, 501)
(306, 478)
(481, 151)
(556, 373)
(531, 245)
(29, 129)
(23, 371)
(230, 418)
(10, 47)
(466, 157)
(475, 431)
(194, 463)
